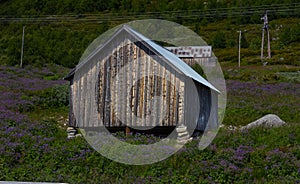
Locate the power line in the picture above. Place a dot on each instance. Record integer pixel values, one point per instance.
(177, 11)
(283, 9)
(97, 17)
(22, 48)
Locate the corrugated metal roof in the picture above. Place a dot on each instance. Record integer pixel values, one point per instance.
(174, 60)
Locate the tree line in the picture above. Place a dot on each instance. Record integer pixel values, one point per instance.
(64, 42)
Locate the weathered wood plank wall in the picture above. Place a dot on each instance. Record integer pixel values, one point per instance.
(131, 86)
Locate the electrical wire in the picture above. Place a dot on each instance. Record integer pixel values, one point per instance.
(276, 9)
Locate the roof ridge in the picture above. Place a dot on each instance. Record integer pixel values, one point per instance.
(172, 59)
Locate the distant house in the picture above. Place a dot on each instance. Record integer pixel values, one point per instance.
(192, 55)
(125, 74)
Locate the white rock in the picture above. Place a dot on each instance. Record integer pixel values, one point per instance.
(182, 142)
(70, 129)
(71, 136)
(183, 134)
(181, 129)
(183, 138)
(78, 135)
(231, 127)
(268, 121)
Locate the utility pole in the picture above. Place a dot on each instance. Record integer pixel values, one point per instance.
(22, 49)
(262, 44)
(265, 28)
(240, 43)
(240, 37)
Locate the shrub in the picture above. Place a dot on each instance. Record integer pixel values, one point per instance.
(255, 44)
(289, 35)
(219, 40)
(56, 96)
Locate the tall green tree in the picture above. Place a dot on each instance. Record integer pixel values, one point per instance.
(219, 40)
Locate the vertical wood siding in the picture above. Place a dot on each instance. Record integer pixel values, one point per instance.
(123, 93)
(125, 84)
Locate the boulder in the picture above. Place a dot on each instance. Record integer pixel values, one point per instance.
(267, 121)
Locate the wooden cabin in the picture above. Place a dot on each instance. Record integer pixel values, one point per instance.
(130, 81)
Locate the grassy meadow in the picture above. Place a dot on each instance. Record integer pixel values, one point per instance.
(34, 144)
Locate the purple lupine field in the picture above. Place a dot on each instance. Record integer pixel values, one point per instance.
(34, 144)
(15, 83)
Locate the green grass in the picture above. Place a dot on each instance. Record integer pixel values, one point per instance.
(259, 73)
(260, 155)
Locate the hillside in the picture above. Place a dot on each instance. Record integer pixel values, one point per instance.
(34, 100)
(224, 8)
(58, 32)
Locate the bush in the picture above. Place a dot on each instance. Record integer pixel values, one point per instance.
(56, 96)
(290, 35)
(255, 44)
(219, 40)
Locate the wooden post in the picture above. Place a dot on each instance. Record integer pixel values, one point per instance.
(269, 44)
(265, 27)
(71, 112)
(262, 44)
(22, 49)
(127, 131)
(240, 35)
